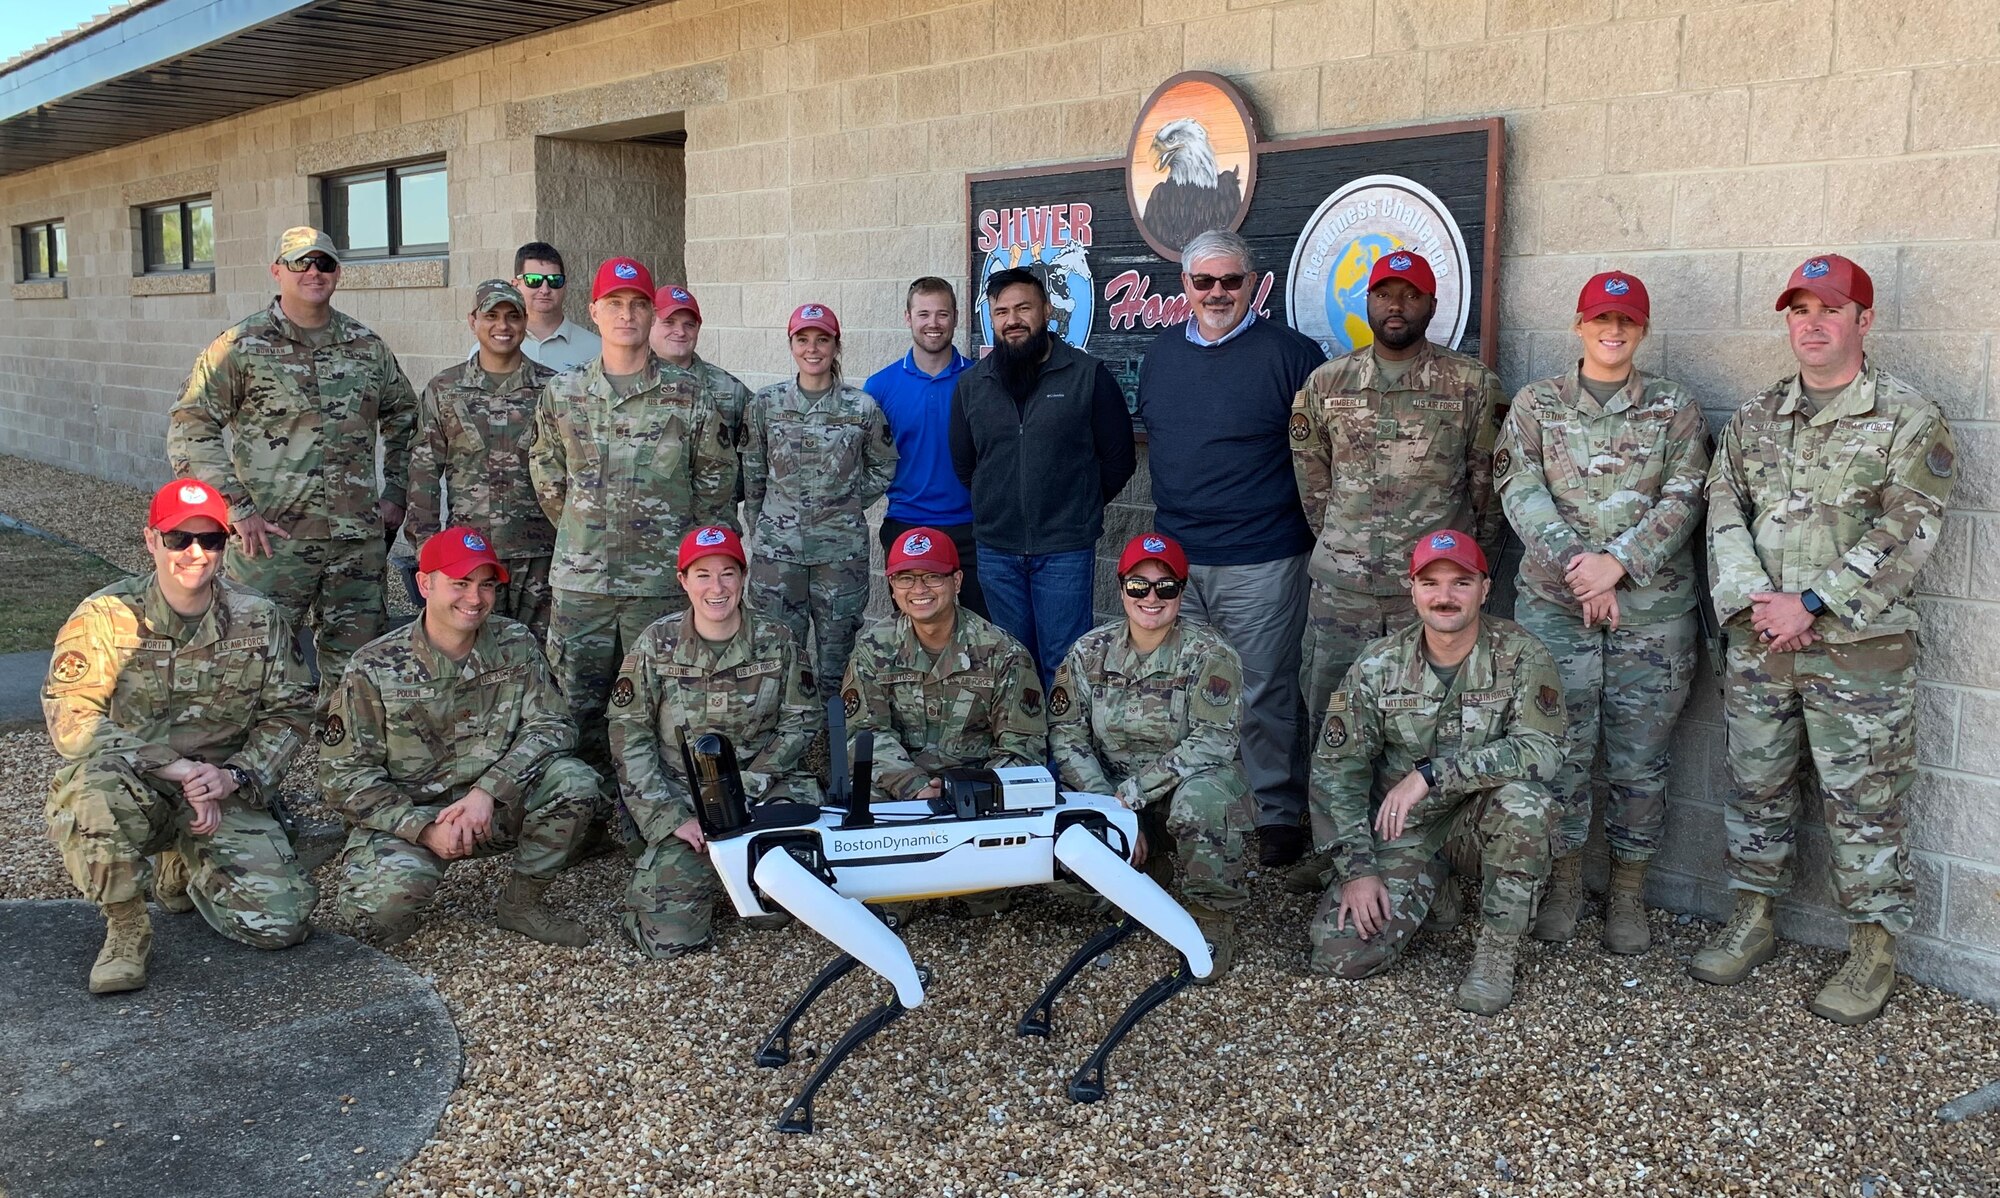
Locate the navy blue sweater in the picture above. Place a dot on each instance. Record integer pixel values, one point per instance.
(1216, 419)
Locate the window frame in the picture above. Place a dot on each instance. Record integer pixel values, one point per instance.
(185, 207)
(52, 233)
(391, 175)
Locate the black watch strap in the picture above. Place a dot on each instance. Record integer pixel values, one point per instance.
(1814, 605)
(1428, 770)
(243, 777)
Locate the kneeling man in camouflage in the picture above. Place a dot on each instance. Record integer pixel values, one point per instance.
(449, 739)
(178, 701)
(1462, 715)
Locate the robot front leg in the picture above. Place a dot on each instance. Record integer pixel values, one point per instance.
(1041, 1016)
(776, 1050)
(798, 1116)
(1088, 1084)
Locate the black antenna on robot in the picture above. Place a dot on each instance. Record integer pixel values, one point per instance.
(848, 791)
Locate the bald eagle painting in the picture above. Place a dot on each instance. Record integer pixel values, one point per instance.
(1194, 198)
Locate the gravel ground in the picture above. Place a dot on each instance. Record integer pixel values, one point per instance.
(597, 1072)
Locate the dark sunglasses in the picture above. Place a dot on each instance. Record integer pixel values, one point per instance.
(318, 262)
(1208, 282)
(179, 539)
(1166, 588)
(531, 282)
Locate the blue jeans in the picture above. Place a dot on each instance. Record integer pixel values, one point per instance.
(1042, 600)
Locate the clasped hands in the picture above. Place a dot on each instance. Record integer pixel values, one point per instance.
(1782, 621)
(461, 828)
(1593, 578)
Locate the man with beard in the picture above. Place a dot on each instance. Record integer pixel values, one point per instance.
(1388, 442)
(1214, 396)
(1460, 716)
(1041, 437)
(915, 395)
(676, 332)
(553, 339)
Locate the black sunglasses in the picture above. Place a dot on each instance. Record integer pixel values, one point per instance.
(531, 282)
(318, 262)
(179, 539)
(1166, 588)
(1208, 282)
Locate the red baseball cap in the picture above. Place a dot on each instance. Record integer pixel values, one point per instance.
(1405, 265)
(1447, 545)
(1151, 546)
(923, 549)
(710, 540)
(1837, 281)
(675, 298)
(813, 316)
(458, 552)
(1614, 291)
(622, 274)
(184, 499)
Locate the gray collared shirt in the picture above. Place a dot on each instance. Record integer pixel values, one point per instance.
(569, 347)
(1194, 329)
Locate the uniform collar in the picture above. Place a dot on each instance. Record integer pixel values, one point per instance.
(950, 660)
(1856, 399)
(474, 375)
(204, 629)
(1127, 662)
(1474, 673)
(340, 328)
(1577, 396)
(597, 384)
(438, 664)
(693, 649)
(1417, 376)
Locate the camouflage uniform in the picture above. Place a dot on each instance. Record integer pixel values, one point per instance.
(1625, 478)
(1494, 737)
(810, 470)
(132, 687)
(412, 731)
(1378, 466)
(726, 393)
(303, 407)
(622, 478)
(1159, 731)
(473, 434)
(753, 690)
(1847, 502)
(978, 703)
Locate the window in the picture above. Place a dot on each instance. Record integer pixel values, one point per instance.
(44, 251)
(178, 236)
(389, 212)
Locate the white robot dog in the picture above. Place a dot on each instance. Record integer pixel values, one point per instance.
(991, 829)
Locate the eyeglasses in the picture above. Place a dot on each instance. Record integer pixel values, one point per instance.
(1207, 282)
(1166, 588)
(533, 282)
(318, 262)
(911, 580)
(179, 539)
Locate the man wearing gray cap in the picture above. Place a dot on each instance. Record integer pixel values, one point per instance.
(475, 421)
(304, 391)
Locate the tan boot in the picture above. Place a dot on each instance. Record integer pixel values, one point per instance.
(520, 910)
(128, 939)
(171, 875)
(1489, 984)
(1219, 929)
(1562, 902)
(1625, 929)
(1448, 909)
(1310, 875)
(1859, 991)
(1744, 943)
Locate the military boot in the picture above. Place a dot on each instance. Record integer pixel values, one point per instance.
(128, 938)
(1744, 943)
(520, 910)
(1625, 929)
(1310, 876)
(1489, 984)
(1448, 909)
(1862, 987)
(1219, 929)
(170, 882)
(1562, 902)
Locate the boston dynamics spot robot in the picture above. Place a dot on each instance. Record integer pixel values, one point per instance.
(989, 830)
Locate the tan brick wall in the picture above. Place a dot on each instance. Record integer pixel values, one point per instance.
(1704, 144)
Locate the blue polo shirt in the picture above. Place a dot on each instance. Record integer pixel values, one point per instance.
(918, 406)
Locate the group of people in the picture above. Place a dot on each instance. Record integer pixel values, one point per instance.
(1303, 647)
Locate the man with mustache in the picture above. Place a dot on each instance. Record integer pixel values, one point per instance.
(1388, 442)
(1041, 437)
(1461, 717)
(1826, 496)
(676, 334)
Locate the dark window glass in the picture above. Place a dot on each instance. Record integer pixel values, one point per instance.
(178, 236)
(44, 251)
(390, 212)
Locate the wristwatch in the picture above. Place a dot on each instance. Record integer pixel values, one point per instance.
(1814, 605)
(242, 776)
(1429, 771)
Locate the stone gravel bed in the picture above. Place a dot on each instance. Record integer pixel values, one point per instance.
(597, 1072)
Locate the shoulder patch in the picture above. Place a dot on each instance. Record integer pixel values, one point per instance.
(70, 667)
(1939, 460)
(1059, 700)
(1502, 462)
(622, 693)
(333, 731)
(1031, 701)
(1336, 731)
(1549, 700)
(1301, 428)
(806, 679)
(1217, 692)
(888, 434)
(1337, 701)
(850, 699)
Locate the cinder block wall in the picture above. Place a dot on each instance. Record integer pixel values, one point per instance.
(1704, 144)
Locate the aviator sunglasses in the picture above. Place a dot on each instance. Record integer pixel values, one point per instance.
(318, 262)
(533, 282)
(1166, 588)
(1207, 282)
(179, 539)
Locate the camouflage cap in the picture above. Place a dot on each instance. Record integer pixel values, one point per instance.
(494, 292)
(301, 240)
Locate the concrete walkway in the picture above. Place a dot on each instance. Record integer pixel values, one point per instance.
(235, 1072)
(21, 686)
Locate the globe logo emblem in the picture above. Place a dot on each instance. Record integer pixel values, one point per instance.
(193, 494)
(1616, 287)
(1817, 268)
(1444, 540)
(709, 536)
(678, 294)
(625, 270)
(1362, 222)
(1153, 545)
(1400, 262)
(812, 312)
(475, 542)
(1064, 269)
(916, 544)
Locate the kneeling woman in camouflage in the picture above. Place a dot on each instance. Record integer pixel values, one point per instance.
(178, 701)
(712, 668)
(1145, 708)
(449, 739)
